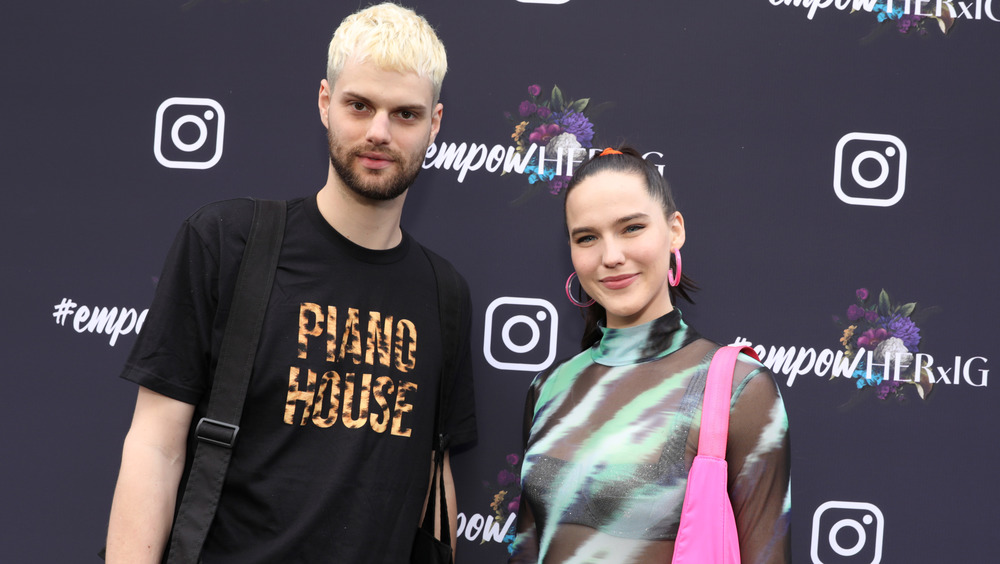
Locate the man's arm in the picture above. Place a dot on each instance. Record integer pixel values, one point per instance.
(449, 495)
(450, 499)
(152, 463)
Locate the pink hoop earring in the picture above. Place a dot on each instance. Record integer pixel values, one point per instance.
(570, 294)
(671, 278)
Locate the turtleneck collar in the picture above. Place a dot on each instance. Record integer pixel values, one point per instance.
(643, 343)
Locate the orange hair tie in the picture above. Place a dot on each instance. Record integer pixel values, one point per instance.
(609, 151)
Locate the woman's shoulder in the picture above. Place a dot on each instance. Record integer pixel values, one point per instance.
(754, 382)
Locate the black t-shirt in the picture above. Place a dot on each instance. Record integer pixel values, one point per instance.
(333, 456)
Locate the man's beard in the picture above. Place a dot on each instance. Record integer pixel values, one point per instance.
(382, 185)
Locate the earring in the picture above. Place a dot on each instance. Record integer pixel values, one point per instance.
(671, 278)
(570, 295)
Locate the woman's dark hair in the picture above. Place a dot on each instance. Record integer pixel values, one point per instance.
(629, 161)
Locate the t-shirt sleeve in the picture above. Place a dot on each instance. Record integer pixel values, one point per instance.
(461, 418)
(173, 353)
(758, 455)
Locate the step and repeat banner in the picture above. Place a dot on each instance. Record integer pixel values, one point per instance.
(836, 161)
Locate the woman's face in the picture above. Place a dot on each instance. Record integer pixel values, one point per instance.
(621, 243)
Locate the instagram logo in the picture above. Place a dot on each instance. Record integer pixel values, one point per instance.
(189, 133)
(520, 334)
(870, 169)
(847, 531)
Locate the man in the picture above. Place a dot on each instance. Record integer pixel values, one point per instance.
(331, 463)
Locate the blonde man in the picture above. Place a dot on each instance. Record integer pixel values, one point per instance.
(331, 464)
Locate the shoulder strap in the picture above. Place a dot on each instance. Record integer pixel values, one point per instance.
(452, 293)
(216, 432)
(718, 397)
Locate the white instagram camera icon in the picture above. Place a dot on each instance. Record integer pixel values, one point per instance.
(868, 516)
(209, 112)
(893, 149)
(544, 312)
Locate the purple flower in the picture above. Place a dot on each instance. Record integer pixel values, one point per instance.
(544, 133)
(906, 330)
(527, 108)
(513, 459)
(543, 112)
(506, 478)
(872, 337)
(886, 388)
(534, 90)
(862, 294)
(906, 22)
(855, 312)
(577, 124)
(557, 184)
(514, 504)
(871, 316)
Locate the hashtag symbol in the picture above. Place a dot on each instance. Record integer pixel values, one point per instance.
(63, 310)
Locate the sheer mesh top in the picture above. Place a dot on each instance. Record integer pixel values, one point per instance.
(611, 434)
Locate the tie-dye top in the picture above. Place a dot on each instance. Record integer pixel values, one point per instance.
(611, 434)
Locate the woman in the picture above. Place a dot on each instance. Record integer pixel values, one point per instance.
(611, 434)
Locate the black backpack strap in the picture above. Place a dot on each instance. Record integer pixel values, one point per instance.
(217, 431)
(452, 294)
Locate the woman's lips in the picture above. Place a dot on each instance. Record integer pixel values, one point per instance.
(618, 282)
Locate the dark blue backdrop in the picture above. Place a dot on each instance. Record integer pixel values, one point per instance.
(744, 104)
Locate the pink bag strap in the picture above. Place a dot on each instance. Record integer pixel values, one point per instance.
(718, 397)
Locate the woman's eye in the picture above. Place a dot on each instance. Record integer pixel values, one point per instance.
(634, 228)
(584, 239)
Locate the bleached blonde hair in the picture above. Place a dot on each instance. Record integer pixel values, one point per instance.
(393, 38)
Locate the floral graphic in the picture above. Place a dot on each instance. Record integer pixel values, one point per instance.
(892, 13)
(888, 332)
(507, 495)
(555, 123)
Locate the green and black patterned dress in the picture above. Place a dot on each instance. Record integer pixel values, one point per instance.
(610, 437)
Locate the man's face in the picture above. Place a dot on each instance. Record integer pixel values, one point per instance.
(379, 125)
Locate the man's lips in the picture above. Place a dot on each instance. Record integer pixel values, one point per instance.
(374, 160)
(619, 281)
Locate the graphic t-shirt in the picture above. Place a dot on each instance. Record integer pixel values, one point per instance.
(333, 455)
(610, 438)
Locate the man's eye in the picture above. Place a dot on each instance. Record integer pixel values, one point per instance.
(358, 106)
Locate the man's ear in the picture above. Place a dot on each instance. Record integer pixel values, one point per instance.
(324, 103)
(436, 122)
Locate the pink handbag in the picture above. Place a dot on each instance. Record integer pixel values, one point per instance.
(707, 533)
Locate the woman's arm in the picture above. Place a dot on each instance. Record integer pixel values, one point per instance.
(759, 459)
(524, 550)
